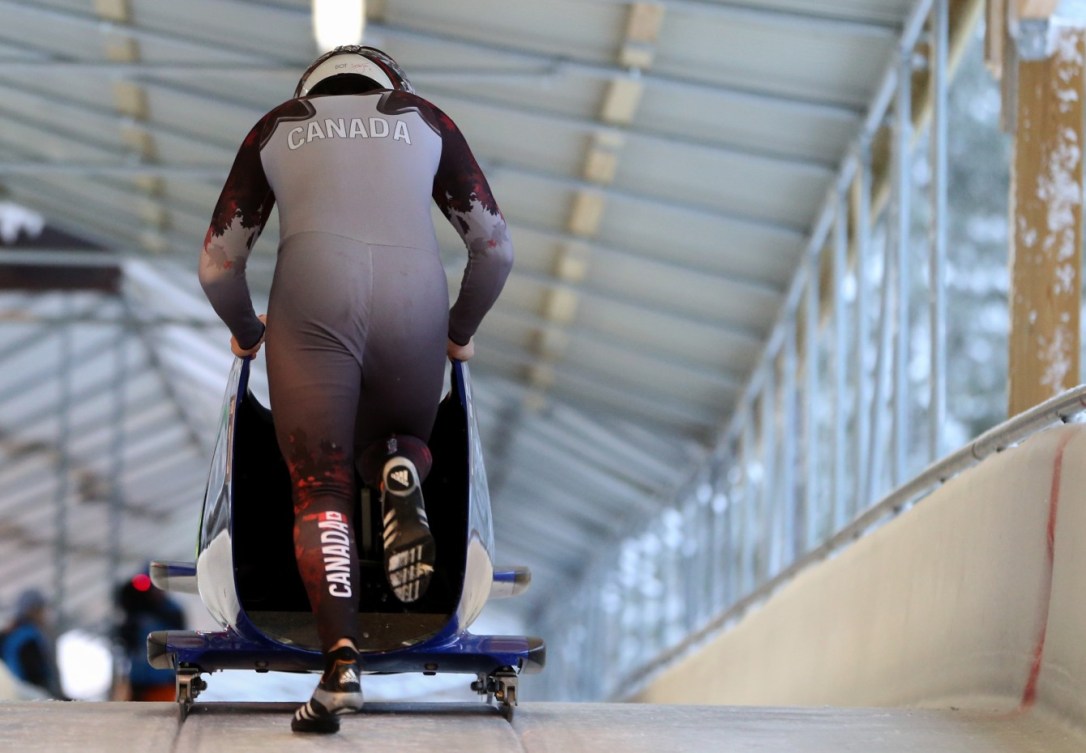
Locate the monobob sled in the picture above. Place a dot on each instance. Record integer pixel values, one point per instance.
(246, 575)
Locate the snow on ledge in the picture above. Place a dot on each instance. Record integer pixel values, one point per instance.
(15, 219)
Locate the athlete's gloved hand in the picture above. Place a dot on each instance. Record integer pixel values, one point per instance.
(459, 352)
(241, 352)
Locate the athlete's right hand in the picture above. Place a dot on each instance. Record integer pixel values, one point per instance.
(241, 352)
(459, 352)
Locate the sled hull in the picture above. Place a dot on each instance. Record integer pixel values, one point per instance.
(465, 653)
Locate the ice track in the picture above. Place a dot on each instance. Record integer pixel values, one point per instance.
(53, 727)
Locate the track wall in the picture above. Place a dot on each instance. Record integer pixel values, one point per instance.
(975, 598)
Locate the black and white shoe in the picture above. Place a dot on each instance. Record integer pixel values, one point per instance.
(338, 692)
(409, 545)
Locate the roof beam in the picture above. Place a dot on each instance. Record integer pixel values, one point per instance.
(58, 257)
(568, 122)
(599, 167)
(545, 65)
(563, 531)
(621, 449)
(609, 477)
(195, 435)
(581, 386)
(742, 334)
(21, 344)
(565, 66)
(718, 378)
(601, 506)
(587, 509)
(724, 279)
(532, 549)
(107, 27)
(590, 195)
(86, 353)
(749, 10)
(612, 473)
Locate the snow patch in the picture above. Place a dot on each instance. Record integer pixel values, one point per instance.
(1056, 355)
(15, 219)
(1064, 283)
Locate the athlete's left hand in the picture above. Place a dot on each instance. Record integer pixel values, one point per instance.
(459, 352)
(241, 352)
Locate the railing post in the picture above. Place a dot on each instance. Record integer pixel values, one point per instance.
(810, 423)
(840, 362)
(902, 186)
(862, 213)
(937, 262)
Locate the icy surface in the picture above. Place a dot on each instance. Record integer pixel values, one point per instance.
(536, 728)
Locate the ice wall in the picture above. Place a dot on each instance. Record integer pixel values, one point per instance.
(974, 598)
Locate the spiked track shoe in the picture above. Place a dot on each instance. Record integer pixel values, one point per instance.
(338, 692)
(409, 545)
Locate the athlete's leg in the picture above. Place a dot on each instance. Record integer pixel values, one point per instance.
(314, 374)
(404, 369)
(309, 389)
(404, 358)
(309, 385)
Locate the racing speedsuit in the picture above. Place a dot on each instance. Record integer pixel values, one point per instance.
(358, 311)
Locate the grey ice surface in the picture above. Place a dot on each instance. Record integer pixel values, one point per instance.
(634, 728)
(47, 726)
(383, 728)
(53, 727)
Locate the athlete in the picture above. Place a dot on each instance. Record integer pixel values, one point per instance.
(359, 323)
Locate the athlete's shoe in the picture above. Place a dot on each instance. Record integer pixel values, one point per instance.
(409, 545)
(338, 692)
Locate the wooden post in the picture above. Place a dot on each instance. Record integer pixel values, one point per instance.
(1046, 221)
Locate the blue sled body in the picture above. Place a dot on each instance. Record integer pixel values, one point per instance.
(246, 576)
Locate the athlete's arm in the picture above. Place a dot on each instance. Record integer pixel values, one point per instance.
(240, 215)
(462, 193)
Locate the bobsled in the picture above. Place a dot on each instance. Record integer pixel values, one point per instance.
(246, 575)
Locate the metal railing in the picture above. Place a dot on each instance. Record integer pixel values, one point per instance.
(849, 402)
(1061, 409)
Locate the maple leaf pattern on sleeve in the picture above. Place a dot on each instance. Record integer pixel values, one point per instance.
(462, 193)
(459, 184)
(240, 214)
(216, 257)
(246, 201)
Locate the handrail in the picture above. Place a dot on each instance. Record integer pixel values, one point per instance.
(1007, 434)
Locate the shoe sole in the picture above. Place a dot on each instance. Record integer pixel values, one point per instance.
(408, 543)
(313, 716)
(319, 726)
(409, 569)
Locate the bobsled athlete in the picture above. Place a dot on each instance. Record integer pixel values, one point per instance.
(359, 323)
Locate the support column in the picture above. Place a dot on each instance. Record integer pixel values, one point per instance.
(1046, 219)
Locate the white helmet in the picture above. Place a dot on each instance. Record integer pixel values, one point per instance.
(353, 59)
